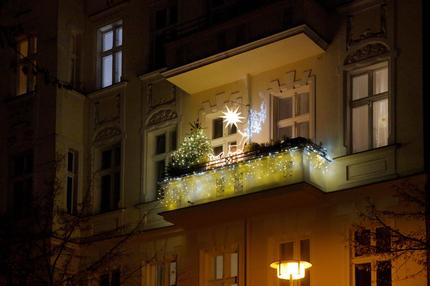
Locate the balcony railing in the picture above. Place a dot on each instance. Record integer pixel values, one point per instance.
(267, 168)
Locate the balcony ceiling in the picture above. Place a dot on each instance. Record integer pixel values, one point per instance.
(253, 58)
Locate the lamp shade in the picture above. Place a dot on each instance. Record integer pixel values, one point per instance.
(290, 269)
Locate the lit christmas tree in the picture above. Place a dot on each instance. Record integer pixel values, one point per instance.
(194, 150)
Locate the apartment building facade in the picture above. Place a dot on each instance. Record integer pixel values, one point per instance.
(313, 111)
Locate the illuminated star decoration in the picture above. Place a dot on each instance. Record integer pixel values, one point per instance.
(232, 117)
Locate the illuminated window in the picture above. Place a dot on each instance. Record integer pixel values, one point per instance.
(26, 67)
(371, 266)
(224, 138)
(110, 178)
(160, 274)
(161, 143)
(370, 107)
(111, 54)
(112, 278)
(223, 268)
(72, 182)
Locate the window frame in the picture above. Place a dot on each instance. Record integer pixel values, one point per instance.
(113, 27)
(29, 61)
(292, 92)
(26, 178)
(227, 138)
(372, 258)
(170, 132)
(112, 171)
(368, 67)
(73, 175)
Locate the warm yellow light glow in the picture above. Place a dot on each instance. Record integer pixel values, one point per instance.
(232, 117)
(290, 269)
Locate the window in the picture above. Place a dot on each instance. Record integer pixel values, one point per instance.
(161, 144)
(111, 54)
(110, 178)
(166, 17)
(369, 101)
(161, 274)
(112, 278)
(26, 67)
(292, 115)
(224, 269)
(296, 250)
(371, 266)
(224, 138)
(75, 76)
(22, 183)
(72, 182)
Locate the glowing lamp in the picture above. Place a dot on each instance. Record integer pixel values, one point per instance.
(290, 269)
(232, 117)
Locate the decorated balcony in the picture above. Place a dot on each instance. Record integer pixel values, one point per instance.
(257, 168)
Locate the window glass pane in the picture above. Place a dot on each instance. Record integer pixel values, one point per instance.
(362, 242)
(302, 101)
(217, 150)
(217, 131)
(160, 165)
(173, 141)
(232, 146)
(285, 132)
(234, 263)
(104, 280)
(105, 193)
(383, 275)
(285, 108)
(106, 159)
(303, 129)
(107, 41)
(160, 142)
(380, 81)
(22, 79)
(107, 70)
(360, 86)
(363, 274)
(116, 278)
(118, 35)
(23, 48)
(116, 189)
(118, 66)
(219, 267)
(360, 128)
(286, 250)
(160, 18)
(306, 256)
(69, 194)
(380, 123)
(70, 159)
(172, 273)
(117, 156)
(383, 240)
(232, 129)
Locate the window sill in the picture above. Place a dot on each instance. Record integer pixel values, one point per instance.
(109, 212)
(357, 154)
(104, 90)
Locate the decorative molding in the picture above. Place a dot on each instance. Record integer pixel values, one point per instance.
(107, 133)
(162, 116)
(366, 52)
(367, 34)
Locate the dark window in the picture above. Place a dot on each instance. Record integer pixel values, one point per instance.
(160, 165)
(305, 255)
(217, 128)
(217, 150)
(160, 142)
(106, 159)
(104, 280)
(70, 161)
(116, 278)
(166, 17)
(106, 193)
(69, 203)
(286, 250)
(383, 275)
(363, 274)
(232, 129)
(117, 156)
(383, 239)
(362, 242)
(173, 142)
(22, 184)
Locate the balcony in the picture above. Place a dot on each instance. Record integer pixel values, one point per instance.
(234, 26)
(286, 163)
